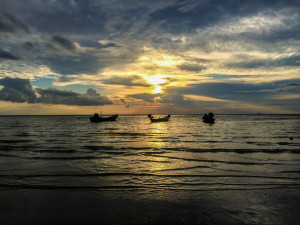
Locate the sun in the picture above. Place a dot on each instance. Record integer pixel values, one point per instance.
(156, 80)
(157, 89)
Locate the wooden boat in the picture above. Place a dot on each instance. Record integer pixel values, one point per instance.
(97, 118)
(160, 119)
(209, 118)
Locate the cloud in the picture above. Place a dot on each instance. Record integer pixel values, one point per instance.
(30, 45)
(176, 99)
(55, 96)
(82, 63)
(6, 27)
(92, 92)
(191, 67)
(246, 92)
(230, 76)
(133, 80)
(17, 90)
(10, 24)
(96, 44)
(20, 90)
(9, 55)
(144, 96)
(64, 42)
(171, 97)
(291, 61)
(65, 16)
(87, 41)
(125, 103)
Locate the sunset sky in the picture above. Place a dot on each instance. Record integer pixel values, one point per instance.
(152, 56)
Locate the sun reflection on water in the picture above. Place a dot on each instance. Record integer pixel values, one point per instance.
(158, 142)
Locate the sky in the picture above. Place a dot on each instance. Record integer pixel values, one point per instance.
(139, 57)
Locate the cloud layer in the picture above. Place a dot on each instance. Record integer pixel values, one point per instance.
(21, 90)
(246, 51)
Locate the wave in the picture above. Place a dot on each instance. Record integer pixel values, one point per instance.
(106, 174)
(98, 147)
(240, 151)
(184, 168)
(163, 150)
(131, 187)
(25, 135)
(9, 141)
(221, 161)
(292, 171)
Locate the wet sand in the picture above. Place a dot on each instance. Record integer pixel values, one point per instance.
(36, 207)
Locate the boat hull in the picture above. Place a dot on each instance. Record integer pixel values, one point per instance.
(104, 119)
(159, 120)
(209, 120)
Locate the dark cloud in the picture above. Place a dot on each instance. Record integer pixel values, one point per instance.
(29, 46)
(185, 16)
(9, 55)
(133, 80)
(96, 44)
(258, 63)
(124, 102)
(252, 93)
(20, 90)
(137, 17)
(170, 98)
(64, 16)
(86, 17)
(64, 42)
(82, 63)
(92, 92)
(176, 99)
(4, 27)
(108, 45)
(17, 90)
(191, 67)
(229, 76)
(145, 96)
(9, 23)
(55, 96)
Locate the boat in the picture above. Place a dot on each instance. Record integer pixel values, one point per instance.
(209, 118)
(97, 118)
(160, 119)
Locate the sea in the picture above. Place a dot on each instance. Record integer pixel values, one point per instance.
(243, 169)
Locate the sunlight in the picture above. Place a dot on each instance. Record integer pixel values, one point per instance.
(157, 89)
(165, 63)
(156, 79)
(166, 60)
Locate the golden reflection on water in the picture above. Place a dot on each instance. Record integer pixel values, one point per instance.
(159, 140)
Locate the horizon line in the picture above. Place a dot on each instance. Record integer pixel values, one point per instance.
(139, 114)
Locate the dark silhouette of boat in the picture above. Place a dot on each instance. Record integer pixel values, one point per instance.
(209, 118)
(160, 119)
(97, 118)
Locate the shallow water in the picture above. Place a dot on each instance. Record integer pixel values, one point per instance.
(244, 169)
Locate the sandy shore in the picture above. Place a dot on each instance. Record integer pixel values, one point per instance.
(47, 207)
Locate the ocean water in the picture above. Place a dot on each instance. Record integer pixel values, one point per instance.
(244, 169)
